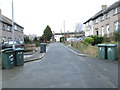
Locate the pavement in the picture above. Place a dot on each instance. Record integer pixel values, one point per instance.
(61, 68)
(75, 51)
(32, 56)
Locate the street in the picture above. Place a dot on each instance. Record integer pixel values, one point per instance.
(60, 68)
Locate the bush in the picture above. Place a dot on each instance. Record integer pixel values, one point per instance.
(88, 40)
(97, 39)
(116, 36)
(62, 39)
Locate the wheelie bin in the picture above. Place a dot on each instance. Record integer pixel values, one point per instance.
(42, 47)
(19, 57)
(112, 51)
(102, 51)
(8, 60)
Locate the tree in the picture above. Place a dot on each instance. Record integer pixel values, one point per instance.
(26, 39)
(78, 27)
(41, 39)
(47, 33)
(35, 39)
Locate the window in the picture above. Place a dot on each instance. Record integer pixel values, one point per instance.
(108, 29)
(15, 27)
(4, 39)
(86, 24)
(9, 38)
(97, 33)
(21, 31)
(3, 26)
(96, 21)
(116, 26)
(115, 10)
(102, 18)
(102, 30)
(18, 28)
(107, 15)
(8, 28)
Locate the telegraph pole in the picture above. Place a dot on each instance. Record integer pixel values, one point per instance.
(13, 35)
(61, 32)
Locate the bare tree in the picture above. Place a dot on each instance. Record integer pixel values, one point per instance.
(78, 27)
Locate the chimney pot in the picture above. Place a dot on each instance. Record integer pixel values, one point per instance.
(104, 7)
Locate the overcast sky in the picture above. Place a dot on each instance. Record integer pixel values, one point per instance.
(35, 15)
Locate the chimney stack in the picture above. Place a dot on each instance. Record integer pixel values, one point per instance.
(104, 7)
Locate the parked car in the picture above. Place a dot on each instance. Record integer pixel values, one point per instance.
(9, 44)
(82, 38)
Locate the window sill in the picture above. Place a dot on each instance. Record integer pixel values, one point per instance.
(102, 20)
(116, 14)
(107, 18)
(95, 23)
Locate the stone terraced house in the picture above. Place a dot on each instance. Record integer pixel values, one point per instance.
(6, 29)
(105, 22)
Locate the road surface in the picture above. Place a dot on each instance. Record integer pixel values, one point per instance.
(60, 68)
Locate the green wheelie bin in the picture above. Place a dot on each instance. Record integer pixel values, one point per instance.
(19, 57)
(8, 60)
(112, 51)
(102, 51)
(42, 47)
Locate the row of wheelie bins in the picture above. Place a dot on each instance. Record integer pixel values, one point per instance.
(107, 51)
(12, 57)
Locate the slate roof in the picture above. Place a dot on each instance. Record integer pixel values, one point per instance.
(100, 13)
(9, 21)
(113, 6)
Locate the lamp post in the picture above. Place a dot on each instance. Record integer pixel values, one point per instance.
(13, 35)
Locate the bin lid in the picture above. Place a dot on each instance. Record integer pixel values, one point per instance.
(42, 43)
(111, 45)
(19, 49)
(8, 50)
(102, 45)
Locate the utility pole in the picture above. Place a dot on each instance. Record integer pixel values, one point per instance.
(13, 35)
(64, 30)
(53, 37)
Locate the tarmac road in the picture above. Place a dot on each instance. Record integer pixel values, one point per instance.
(60, 68)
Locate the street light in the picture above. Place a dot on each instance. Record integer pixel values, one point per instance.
(13, 36)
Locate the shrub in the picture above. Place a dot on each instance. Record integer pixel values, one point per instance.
(106, 39)
(116, 36)
(88, 40)
(62, 39)
(97, 39)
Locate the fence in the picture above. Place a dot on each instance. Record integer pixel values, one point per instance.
(30, 48)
